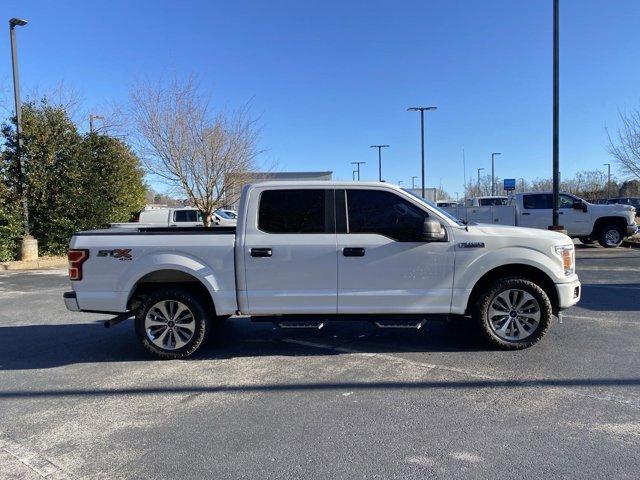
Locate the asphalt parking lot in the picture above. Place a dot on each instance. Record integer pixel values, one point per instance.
(348, 401)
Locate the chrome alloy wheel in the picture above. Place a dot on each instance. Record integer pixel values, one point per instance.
(612, 236)
(169, 324)
(514, 314)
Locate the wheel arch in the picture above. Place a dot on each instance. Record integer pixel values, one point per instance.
(521, 270)
(604, 221)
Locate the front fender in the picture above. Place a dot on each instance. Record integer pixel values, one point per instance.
(476, 265)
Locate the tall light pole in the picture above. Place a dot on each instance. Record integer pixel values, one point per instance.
(479, 170)
(608, 165)
(353, 175)
(400, 182)
(421, 110)
(379, 147)
(13, 23)
(358, 167)
(556, 115)
(521, 184)
(413, 182)
(93, 117)
(493, 173)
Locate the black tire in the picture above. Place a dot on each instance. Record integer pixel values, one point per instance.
(587, 240)
(610, 236)
(200, 328)
(485, 300)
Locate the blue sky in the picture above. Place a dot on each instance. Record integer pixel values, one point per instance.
(330, 78)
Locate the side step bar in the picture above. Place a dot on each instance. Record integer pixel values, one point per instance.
(316, 322)
(313, 324)
(412, 324)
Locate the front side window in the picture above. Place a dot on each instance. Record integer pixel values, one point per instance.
(538, 201)
(293, 211)
(384, 213)
(566, 201)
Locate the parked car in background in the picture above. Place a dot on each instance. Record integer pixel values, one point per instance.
(225, 218)
(447, 203)
(605, 224)
(487, 201)
(165, 217)
(307, 252)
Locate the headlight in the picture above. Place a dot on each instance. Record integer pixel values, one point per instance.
(566, 253)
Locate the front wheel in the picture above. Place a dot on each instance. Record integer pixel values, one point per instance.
(171, 324)
(513, 313)
(610, 236)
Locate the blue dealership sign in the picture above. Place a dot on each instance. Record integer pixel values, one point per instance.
(509, 184)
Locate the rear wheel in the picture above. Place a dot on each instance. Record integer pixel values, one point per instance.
(610, 236)
(171, 324)
(513, 313)
(587, 240)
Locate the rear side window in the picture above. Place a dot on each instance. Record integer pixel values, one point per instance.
(537, 202)
(385, 213)
(293, 211)
(186, 216)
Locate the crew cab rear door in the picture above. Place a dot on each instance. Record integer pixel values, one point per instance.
(290, 252)
(384, 266)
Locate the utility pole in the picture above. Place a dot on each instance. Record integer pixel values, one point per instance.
(379, 147)
(413, 182)
(400, 182)
(479, 191)
(464, 173)
(521, 184)
(556, 116)
(29, 246)
(493, 173)
(353, 175)
(421, 110)
(93, 117)
(358, 167)
(608, 165)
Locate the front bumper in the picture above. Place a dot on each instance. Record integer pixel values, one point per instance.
(568, 293)
(70, 301)
(632, 230)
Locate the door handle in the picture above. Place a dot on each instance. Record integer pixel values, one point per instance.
(260, 252)
(526, 213)
(353, 252)
(560, 213)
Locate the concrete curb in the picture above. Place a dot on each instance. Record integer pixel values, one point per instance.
(629, 244)
(50, 262)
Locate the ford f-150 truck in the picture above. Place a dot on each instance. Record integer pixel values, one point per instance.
(308, 252)
(605, 224)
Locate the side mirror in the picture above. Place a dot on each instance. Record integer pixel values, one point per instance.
(579, 205)
(432, 231)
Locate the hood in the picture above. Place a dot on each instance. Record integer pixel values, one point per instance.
(506, 231)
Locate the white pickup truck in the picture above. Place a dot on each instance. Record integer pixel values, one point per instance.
(606, 224)
(307, 252)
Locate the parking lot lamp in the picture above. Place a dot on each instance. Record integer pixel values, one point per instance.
(29, 247)
(379, 147)
(421, 110)
(493, 173)
(357, 164)
(608, 165)
(479, 170)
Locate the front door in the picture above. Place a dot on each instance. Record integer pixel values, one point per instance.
(384, 266)
(575, 221)
(290, 254)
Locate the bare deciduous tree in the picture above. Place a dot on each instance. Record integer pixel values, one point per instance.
(626, 146)
(187, 147)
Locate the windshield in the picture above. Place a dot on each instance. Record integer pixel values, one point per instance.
(435, 207)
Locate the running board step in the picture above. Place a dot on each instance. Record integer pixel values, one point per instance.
(313, 324)
(413, 324)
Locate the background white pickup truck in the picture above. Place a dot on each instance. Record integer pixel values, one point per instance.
(178, 217)
(606, 224)
(305, 252)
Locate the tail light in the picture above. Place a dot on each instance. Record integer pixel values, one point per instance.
(76, 259)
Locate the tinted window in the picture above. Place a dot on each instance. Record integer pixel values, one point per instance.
(486, 202)
(186, 216)
(539, 201)
(566, 201)
(372, 211)
(292, 211)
